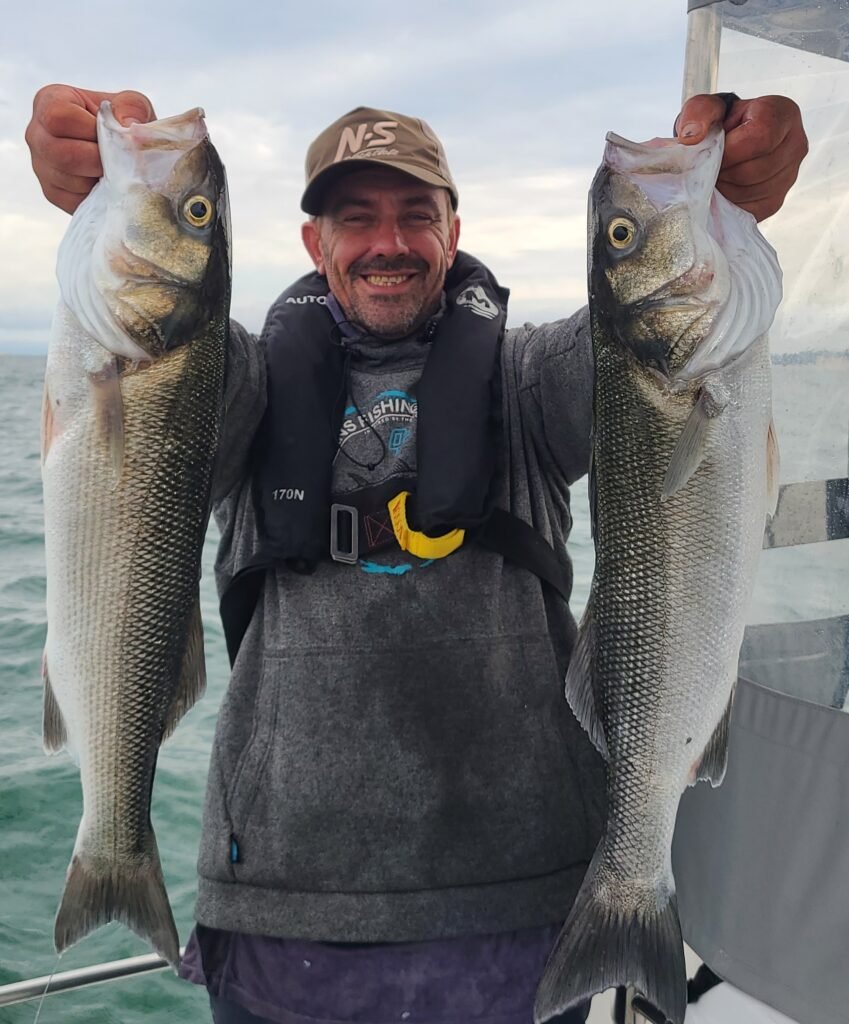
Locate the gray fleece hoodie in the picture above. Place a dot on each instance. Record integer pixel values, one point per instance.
(394, 759)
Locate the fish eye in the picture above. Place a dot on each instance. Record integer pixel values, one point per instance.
(621, 232)
(198, 211)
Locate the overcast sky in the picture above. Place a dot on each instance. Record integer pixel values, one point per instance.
(521, 95)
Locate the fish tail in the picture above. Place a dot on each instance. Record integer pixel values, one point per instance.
(134, 894)
(604, 946)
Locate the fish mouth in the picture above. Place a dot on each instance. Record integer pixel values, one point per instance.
(135, 269)
(669, 305)
(664, 354)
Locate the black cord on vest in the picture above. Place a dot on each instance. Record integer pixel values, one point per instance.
(345, 390)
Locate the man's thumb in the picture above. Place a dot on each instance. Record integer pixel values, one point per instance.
(129, 107)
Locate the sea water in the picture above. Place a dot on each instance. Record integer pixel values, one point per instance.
(40, 798)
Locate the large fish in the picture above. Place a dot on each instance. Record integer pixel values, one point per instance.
(132, 408)
(684, 472)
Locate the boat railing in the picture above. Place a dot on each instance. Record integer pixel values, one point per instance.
(65, 981)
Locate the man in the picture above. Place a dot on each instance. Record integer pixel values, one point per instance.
(400, 807)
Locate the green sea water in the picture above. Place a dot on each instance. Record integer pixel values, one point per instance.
(40, 799)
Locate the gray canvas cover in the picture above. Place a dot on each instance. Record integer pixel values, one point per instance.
(761, 862)
(820, 27)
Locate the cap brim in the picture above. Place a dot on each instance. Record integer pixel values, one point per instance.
(314, 194)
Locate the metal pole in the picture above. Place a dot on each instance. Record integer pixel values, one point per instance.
(701, 57)
(34, 988)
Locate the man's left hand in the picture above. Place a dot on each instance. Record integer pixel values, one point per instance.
(765, 145)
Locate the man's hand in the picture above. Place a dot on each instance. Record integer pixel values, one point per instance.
(62, 138)
(765, 145)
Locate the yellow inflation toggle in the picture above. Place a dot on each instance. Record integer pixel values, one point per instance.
(419, 544)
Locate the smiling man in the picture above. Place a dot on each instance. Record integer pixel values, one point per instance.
(400, 806)
(384, 242)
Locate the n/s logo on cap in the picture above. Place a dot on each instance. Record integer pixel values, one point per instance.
(361, 141)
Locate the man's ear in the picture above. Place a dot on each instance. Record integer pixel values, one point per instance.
(453, 240)
(311, 237)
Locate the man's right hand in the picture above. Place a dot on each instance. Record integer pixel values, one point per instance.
(62, 137)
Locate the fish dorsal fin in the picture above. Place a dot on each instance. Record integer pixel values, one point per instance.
(192, 682)
(773, 470)
(580, 682)
(54, 730)
(712, 765)
(690, 449)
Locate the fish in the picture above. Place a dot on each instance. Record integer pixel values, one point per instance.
(684, 473)
(131, 420)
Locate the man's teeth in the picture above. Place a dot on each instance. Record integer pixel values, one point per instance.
(385, 281)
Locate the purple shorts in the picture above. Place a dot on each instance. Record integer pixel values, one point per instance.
(480, 979)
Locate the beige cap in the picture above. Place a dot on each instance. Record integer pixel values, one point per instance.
(369, 137)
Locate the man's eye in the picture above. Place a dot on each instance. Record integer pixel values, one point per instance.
(421, 218)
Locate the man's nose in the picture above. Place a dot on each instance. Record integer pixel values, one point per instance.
(388, 239)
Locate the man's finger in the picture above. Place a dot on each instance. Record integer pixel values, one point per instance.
(757, 171)
(67, 155)
(129, 106)
(762, 200)
(697, 115)
(67, 201)
(73, 183)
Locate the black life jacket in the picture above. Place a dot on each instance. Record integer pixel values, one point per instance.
(459, 420)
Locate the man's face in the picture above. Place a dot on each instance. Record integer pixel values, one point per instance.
(385, 242)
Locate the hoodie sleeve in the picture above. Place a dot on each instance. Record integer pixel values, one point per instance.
(244, 405)
(552, 369)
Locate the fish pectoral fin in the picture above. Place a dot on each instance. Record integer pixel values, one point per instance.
(192, 682)
(580, 683)
(109, 411)
(49, 427)
(773, 470)
(592, 491)
(54, 732)
(714, 760)
(690, 449)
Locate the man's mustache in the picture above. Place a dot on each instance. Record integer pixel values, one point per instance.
(379, 266)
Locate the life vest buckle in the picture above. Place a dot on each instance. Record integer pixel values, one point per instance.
(344, 536)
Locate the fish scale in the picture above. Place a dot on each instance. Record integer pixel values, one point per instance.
(129, 446)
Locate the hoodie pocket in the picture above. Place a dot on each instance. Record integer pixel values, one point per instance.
(421, 768)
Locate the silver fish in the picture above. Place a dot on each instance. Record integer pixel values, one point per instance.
(131, 418)
(684, 472)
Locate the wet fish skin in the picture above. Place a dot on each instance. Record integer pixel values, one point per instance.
(684, 472)
(133, 400)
